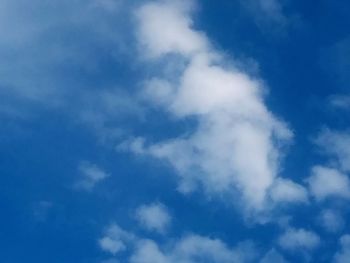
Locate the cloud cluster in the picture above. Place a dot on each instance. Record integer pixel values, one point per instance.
(332, 180)
(115, 239)
(236, 144)
(190, 248)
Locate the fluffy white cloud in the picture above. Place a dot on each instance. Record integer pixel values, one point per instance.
(285, 190)
(298, 239)
(343, 255)
(154, 217)
(178, 37)
(91, 174)
(115, 239)
(331, 220)
(190, 248)
(337, 145)
(328, 182)
(236, 145)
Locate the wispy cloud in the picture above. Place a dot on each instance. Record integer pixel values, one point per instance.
(331, 221)
(90, 175)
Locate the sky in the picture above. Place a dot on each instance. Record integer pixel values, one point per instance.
(174, 131)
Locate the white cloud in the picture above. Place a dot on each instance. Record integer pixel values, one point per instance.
(328, 182)
(154, 217)
(115, 239)
(91, 174)
(343, 255)
(273, 256)
(337, 145)
(298, 239)
(285, 190)
(148, 252)
(236, 145)
(191, 248)
(331, 220)
(178, 37)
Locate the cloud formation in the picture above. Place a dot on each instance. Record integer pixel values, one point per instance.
(343, 255)
(328, 182)
(115, 239)
(331, 220)
(91, 174)
(190, 248)
(298, 239)
(236, 145)
(153, 217)
(336, 144)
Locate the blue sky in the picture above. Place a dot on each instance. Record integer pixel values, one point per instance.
(160, 131)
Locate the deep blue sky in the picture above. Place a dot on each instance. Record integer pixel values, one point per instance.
(71, 75)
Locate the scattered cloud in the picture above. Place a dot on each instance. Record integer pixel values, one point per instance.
(273, 256)
(340, 101)
(343, 255)
(327, 182)
(298, 239)
(337, 145)
(91, 174)
(268, 15)
(331, 220)
(190, 248)
(115, 239)
(287, 191)
(154, 217)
